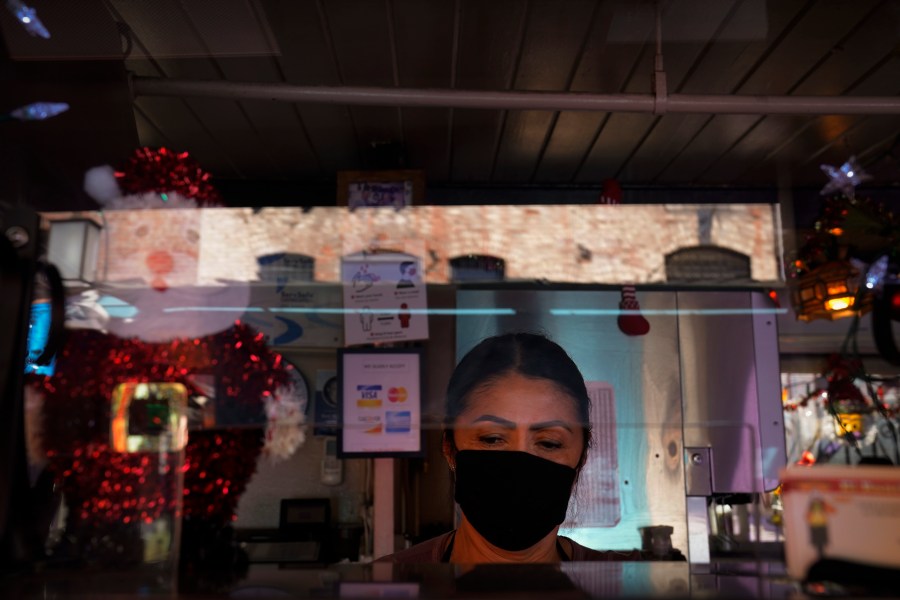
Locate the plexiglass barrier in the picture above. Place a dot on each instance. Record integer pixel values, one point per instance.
(254, 350)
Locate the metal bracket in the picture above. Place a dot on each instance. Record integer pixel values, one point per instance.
(698, 471)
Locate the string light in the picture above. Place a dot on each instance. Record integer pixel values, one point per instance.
(36, 111)
(27, 16)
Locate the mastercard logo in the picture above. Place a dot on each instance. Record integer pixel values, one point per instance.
(397, 394)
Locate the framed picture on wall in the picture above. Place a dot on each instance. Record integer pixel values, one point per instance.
(397, 189)
(380, 402)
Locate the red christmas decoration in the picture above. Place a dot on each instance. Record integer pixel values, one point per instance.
(612, 192)
(106, 487)
(164, 171)
(631, 322)
(807, 459)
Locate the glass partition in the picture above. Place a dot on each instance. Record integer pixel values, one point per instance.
(244, 314)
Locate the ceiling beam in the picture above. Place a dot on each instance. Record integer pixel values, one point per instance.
(520, 100)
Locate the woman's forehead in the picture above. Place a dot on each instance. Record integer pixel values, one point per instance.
(521, 399)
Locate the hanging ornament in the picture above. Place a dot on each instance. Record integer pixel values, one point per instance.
(164, 171)
(829, 291)
(612, 192)
(844, 179)
(631, 321)
(153, 178)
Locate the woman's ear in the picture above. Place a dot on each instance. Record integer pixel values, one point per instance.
(448, 448)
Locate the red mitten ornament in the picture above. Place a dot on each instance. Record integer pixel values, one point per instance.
(612, 192)
(632, 322)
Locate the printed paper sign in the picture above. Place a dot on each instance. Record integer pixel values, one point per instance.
(297, 315)
(597, 502)
(380, 402)
(384, 298)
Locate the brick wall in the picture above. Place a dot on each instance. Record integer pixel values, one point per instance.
(564, 243)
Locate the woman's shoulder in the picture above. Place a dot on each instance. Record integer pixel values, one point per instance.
(427, 551)
(584, 553)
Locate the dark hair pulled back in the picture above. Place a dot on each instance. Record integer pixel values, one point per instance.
(527, 354)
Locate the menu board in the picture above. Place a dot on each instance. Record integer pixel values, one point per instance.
(380, 404)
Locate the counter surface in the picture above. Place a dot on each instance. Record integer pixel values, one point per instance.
(569, 580)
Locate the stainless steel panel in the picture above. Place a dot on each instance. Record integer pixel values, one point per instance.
(644, 374)
(768, 384)
(720, 344)
(698, 530)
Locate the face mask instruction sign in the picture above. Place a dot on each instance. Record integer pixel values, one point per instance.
(381, 406)
(384, 298)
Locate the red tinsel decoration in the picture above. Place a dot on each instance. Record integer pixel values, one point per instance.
(164, 171)
(102, 486)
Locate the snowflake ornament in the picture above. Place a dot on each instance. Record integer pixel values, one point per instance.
(844, 179)
(876, 274)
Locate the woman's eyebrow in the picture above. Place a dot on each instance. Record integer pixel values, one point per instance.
(549, 424)
(535, 427)
(494, 419)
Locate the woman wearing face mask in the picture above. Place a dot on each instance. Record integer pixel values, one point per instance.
(516, 436)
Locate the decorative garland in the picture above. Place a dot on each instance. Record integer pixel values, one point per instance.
(104, 486)
(163, 171)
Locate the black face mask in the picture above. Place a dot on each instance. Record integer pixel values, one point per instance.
(513, 499)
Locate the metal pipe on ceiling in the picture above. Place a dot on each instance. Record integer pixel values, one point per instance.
(519, 100)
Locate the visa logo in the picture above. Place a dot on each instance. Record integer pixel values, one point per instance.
(368, 392)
